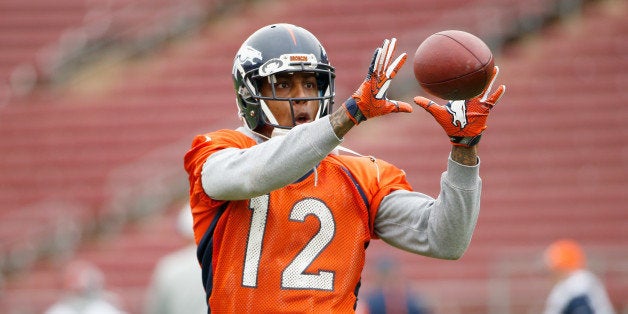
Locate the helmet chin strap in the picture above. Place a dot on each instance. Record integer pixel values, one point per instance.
(279, 132)
(268, 113)
(276, 132)
(271, 118)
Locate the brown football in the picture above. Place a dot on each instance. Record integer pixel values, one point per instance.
(453, 65)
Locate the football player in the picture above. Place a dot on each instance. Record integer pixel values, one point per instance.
(282, 220)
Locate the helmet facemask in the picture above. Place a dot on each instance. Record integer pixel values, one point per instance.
(253, 79)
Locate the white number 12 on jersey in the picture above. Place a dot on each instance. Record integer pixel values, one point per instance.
(293, 276)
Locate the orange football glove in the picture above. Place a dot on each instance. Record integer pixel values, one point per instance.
(370, 99)
(464, 120)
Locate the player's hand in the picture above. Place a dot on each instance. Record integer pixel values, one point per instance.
(464, 120)
(370, 99)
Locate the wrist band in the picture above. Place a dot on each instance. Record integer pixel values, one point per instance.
(353, 111)
(468, 141)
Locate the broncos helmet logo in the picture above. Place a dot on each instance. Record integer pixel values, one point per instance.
(458, 111)
(249, 54)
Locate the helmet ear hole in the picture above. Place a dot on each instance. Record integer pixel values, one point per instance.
(273, 49)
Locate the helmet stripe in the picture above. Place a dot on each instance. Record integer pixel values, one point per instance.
(294, 38)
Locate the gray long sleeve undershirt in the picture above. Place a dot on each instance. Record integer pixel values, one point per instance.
(411, 221)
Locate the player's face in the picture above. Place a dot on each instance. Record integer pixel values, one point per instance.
(293, 85)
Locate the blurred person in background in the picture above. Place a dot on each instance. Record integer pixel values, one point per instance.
(577, 290)
(392, 293)
(176, 285)
(84, 285)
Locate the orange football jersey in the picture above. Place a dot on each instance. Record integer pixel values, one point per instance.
(298, 249)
